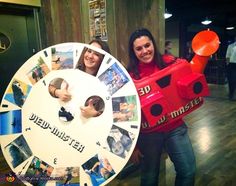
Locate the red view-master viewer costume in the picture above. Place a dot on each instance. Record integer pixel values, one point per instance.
(168, 95)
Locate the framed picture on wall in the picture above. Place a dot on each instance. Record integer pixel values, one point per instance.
(97, 19)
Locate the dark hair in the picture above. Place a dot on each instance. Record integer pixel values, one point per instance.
(133, 60)
(97, 102)
(167, 42)
(103, 44)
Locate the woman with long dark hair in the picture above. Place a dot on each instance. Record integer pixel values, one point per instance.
(145, 59)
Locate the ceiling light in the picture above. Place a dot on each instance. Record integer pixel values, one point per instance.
(167, 14)
(230, 28)
(206, 21)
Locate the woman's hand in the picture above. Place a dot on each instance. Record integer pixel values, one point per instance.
(63, 94)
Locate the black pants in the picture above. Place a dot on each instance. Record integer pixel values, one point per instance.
(231, 75)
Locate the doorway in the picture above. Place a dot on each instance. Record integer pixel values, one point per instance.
(19, 40)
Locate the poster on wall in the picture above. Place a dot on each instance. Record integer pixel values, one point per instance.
(97, 19)
(49, 140)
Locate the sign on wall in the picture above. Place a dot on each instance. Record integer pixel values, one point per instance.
(97, 19)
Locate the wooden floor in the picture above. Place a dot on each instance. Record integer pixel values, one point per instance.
(212, 129)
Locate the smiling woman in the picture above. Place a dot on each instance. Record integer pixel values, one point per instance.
(90, 60)
(144, 49)
(145, 62)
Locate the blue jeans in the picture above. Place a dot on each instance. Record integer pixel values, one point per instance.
(179, 148)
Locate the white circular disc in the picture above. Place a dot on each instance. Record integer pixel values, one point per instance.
(48, 141)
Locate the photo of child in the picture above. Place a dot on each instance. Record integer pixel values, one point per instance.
(39, 71)
(99, 169)
(119, 141)
(124, 109)
(67, 176)
(38, 172)
(113, 78)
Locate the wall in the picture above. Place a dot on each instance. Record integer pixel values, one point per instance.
(123, 17)
(110, 20)
(68, 20)
(131, 15)
(172, 34)
(60, 21)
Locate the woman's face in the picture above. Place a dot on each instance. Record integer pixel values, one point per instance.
(92, 59)
(143, 49)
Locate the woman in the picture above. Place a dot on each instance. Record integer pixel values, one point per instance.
(145, 60)
(89, 62)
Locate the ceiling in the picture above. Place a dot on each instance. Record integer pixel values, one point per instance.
(221, 12)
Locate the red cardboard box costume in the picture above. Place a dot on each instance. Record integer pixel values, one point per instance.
(170, 94)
